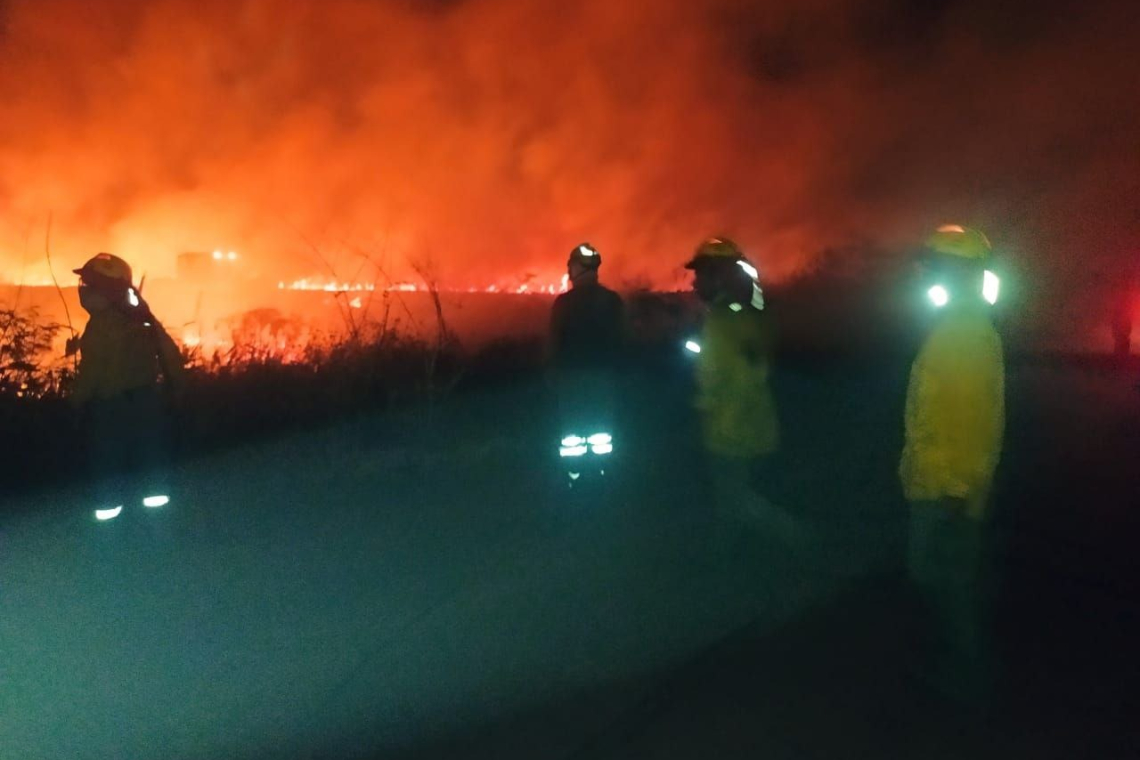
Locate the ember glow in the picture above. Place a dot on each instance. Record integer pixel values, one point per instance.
(328, 286)
(353, 143)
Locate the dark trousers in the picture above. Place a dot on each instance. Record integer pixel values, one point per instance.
(947, 565)
(128, 447)
(585, 401)
(742, 513)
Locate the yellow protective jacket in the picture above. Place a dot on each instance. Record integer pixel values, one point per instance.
(955, 412)
(738, 412)
(118, 354)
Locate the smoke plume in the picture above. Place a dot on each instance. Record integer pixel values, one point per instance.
(487, 137)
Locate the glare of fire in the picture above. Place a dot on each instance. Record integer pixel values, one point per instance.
(30, 282)
(332, 286)
(290, 351)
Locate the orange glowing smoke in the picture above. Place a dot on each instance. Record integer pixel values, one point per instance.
(336, 139)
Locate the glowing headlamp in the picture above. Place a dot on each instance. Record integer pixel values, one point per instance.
(991, 289)
(938, 295)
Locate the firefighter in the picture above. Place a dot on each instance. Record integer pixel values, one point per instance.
(955, 418)
(586, 337)
(740, 427)
(124, 354)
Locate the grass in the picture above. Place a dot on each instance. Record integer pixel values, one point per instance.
(273, 378)
(275, 375)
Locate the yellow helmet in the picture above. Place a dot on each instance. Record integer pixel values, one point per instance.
(105, 268)
(963, 242)
(718, 247)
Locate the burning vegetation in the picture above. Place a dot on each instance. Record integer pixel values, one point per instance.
(494, 134)
(240, 153)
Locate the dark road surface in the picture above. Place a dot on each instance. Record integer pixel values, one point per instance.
(407, 586)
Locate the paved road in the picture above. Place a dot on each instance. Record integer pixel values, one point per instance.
(337, 594)
(326, 593)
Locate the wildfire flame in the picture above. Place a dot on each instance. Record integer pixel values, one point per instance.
(331, 286)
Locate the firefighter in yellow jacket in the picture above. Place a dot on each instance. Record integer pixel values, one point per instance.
(739, 423)
(125, 358)
(955, 418)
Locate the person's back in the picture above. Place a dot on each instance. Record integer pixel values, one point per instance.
(586, 334)
(587, 327)
(119, 355)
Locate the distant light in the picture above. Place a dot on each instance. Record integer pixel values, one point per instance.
(132, 297)
(573, 440)
(991, 287)
(156, 501)
(232, 256)
(573, 451)
(108, 514)
(938, 296)
(217, 255)
(599, 438)
(603, 448)
(735, 307)
(693, 346)
(575, 475)
(749, 269)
